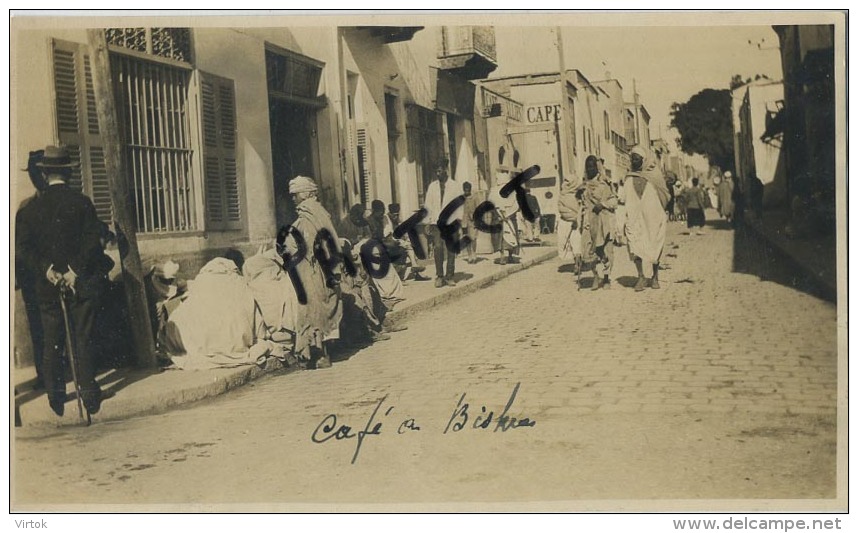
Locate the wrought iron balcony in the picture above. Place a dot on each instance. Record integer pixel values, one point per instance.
(468, 51)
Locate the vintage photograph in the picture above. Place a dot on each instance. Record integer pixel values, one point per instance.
(435, 261)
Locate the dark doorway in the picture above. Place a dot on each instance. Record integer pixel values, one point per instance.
(292, 127)
(293, 88)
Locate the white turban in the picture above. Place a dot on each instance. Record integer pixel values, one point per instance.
(640, 151)
(167, 270)
(728, 174)
(302, 184)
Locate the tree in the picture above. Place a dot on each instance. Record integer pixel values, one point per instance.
(705, 126)
(736, 81)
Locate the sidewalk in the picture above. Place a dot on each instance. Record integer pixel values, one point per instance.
(145, 392)
(815, 256)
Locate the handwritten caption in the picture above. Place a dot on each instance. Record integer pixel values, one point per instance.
(463, 417)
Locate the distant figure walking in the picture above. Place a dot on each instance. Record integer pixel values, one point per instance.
(599, 203)
(695, 203)
(725, 196)
(568, 222)
(646, 197)
(440, 192)
(680, 211)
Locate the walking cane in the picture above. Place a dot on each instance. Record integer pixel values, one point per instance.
(579, 261)
(72, 361)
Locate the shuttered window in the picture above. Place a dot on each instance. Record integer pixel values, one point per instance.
(365, 170)
(77, 124)
(222, 193)
(425, 144)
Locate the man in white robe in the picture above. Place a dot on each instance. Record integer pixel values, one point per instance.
(646, 196)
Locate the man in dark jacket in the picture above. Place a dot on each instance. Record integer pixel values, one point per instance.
(24, 279)
(60, 245)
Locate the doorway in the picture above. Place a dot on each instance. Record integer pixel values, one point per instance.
(293, 88)
(292, 152)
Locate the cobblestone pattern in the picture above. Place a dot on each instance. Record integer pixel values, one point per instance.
(709, 340)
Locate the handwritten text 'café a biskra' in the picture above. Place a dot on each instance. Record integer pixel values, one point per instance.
(464, 417)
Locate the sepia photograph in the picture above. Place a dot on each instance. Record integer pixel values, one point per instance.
(431, 262)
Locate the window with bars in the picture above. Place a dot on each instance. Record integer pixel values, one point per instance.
(153, 109)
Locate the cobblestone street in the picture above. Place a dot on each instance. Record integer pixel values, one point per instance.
(719, 385)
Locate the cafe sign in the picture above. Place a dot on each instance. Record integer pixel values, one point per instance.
(542, 113)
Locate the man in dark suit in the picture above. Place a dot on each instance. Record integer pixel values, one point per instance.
(24, 279)
(59, 243)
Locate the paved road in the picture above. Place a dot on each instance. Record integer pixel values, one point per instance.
(719, 385)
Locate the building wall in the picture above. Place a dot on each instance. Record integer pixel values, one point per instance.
(587, 111)
(234, 54)
(32, 111)
(408, 70)
(539, 93)
(615, 156)
(807, 58)
(767, 159)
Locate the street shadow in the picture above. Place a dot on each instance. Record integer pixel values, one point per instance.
(587, 280)
(459, 277)
(568, 268)
(110, 382)
(627, 281)
(719, 224)
(118, 379)
(340, 351)
(755, 256)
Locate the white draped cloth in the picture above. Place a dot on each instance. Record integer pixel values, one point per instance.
(216, 326)
(568, 240)
(646, 222)
(389, 287)
(273, 291)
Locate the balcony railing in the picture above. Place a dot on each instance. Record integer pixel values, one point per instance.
(470, 51)
(460, 40)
